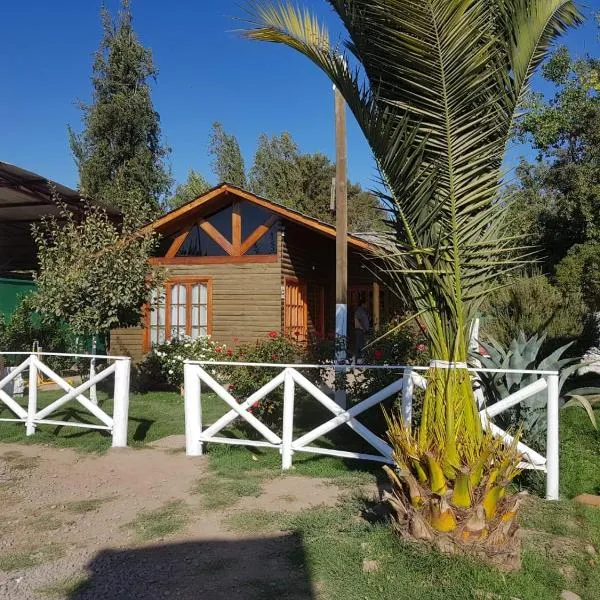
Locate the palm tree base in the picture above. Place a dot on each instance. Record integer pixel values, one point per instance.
(498, 544)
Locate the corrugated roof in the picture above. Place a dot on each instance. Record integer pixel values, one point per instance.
(25, 195)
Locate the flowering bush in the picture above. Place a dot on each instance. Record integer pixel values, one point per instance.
(404, 346)
(165, 362)
(243, 381)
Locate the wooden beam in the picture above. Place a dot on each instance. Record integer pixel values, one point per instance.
(217, 236)
(226, 190)
(376, 315)
(257, 234)
(176, 245)
(236, 229)
(215, 260)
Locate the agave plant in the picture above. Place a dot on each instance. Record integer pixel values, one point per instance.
(435, 86)
(524, 354)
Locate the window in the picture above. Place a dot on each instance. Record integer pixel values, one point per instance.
(239, 229)
(182, 308)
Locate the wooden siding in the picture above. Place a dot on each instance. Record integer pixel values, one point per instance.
(310, 257)
(246, 304)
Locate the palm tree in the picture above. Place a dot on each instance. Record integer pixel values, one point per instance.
(435, 86)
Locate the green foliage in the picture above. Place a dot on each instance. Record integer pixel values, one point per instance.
(303, 182)
(244, 381)
(580, 270)
(25, 327)
(119, 153)
(557, 200)
(533, 305)
(228, 163)
(276, 174)
(93, 274)
(195, 186)
(525, 354)
(392, 345)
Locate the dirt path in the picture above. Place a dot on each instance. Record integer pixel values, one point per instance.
(69, 518)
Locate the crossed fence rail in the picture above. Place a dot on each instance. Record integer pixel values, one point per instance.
(119, 367)
(195, 376)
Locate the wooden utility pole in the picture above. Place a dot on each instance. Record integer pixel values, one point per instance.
(341, 241)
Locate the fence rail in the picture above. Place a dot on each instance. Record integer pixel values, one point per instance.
(34, 416)
(195, 377)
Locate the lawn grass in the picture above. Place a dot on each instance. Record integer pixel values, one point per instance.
(152, 416)
(163, 521)
(30, 557)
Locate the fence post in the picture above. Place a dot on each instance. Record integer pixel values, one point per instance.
(288, 421)
(407, 395)
(193, 410)
(32, 402)
(121, 402)
(552, 441)
(93, 392)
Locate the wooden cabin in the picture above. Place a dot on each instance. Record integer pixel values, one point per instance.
(240, 266)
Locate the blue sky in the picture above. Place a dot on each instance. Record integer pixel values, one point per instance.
(206, 73)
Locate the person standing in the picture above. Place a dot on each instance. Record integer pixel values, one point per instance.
(362, 325)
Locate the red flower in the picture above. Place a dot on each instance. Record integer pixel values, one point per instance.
(378, 354)
(218, 349)
(255, 404)
(229, 352)
(236, 340)
(272, 334)
(274, 357)
(420, 347)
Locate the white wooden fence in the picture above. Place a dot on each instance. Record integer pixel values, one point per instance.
(119, 366)
(196, 376)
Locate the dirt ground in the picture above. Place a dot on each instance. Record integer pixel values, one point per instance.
(67, 518)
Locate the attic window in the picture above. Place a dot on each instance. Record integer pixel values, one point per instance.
(239, 229)
(199, 243)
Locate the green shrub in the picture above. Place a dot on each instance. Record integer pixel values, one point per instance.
(531, 304)
(243, 381)
(25, 327)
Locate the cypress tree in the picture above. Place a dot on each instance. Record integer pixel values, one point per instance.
(119, 153)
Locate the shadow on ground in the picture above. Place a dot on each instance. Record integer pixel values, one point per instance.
(248, 569)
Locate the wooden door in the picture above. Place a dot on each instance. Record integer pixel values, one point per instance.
(295, 322)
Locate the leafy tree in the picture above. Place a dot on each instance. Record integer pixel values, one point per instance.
(557, 200)
(434, 85)
(195, 186)
(228, 163)
(119, 150)
(276, 174)
(93, 273)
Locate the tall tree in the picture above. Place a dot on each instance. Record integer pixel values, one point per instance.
(559, 193)
(228, 163)
(434, 85)
(195, 186)
(276, 173)
(119, 153)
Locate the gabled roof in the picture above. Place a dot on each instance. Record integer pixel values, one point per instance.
(211, 200)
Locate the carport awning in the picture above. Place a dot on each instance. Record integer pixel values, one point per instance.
(25, 196)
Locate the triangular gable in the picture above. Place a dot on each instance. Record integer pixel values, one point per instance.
(223, 195)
